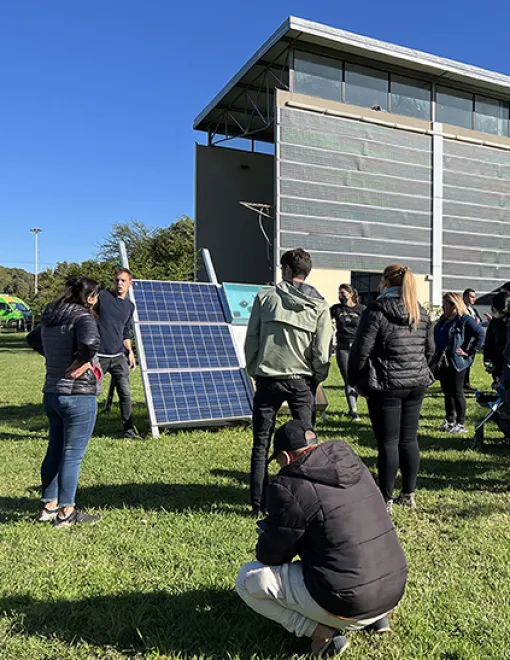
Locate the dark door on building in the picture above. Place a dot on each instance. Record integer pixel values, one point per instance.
(367, 285)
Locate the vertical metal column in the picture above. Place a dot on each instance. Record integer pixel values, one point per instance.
(276, 239)
(437, 213)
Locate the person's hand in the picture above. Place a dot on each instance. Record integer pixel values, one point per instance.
(77, 369)
(487, 316)
(132, 362)
(461, 351)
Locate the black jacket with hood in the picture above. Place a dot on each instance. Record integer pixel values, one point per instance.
(67, 332)
(387, 353)
(326, 508)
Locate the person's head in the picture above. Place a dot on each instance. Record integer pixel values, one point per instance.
(400, 276)
(292, 441)
(453, 305)
(347, 294)
(122, 280)
(499, 304)
(469, 297)
(296, 264)
(505, 288)
(80, 291)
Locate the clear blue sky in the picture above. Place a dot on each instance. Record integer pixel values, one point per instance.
(98, 97)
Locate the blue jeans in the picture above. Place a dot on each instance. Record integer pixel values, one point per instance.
(71, 422)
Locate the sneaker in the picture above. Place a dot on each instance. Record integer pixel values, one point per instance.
(335, 645)
(458, 428)
(355, 417)
(445, 426)
(382, 625)
(47, 515)
(76, 517)
(389, 507)
(406, 499)
(130, 434)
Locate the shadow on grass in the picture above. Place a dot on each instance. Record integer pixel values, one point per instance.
(236, 475)
(13, 342)
(174, 498)
(211, 623)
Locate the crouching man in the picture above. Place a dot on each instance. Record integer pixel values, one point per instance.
(324, 507)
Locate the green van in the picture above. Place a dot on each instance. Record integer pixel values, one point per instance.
(14, 312)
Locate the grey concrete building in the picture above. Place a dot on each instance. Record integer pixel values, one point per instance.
(380, 155)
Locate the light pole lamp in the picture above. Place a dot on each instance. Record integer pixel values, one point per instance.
(36, 232)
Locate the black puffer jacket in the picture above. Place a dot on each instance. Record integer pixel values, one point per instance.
(387, 354)
(326, 508)
(67, 332)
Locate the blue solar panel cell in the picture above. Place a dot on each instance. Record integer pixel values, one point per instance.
(199, 395)
(188, 346)
(178, 302)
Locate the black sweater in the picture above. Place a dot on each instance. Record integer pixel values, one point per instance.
(326, 508)
(387, 353)
(115, 315)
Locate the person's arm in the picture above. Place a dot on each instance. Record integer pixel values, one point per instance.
(321, 346)
(87, 341)
(488, 348)
(363, 344)
(127, 342)
(474, 337)
(34, 340)
(430, 346)
(282, 529)
(251, 344)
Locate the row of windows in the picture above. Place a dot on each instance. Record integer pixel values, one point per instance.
(359, 85)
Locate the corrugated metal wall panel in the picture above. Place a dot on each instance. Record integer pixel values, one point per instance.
(356, 195)
(477, 209)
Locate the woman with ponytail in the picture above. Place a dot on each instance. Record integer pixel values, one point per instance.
(68, 338)
(389, 365)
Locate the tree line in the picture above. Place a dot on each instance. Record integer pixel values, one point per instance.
(162, 253)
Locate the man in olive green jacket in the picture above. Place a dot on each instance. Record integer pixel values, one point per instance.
(287, 353)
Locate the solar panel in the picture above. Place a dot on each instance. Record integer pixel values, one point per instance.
(178, 301)
(196, 396)
(190, 367)
(187, 346)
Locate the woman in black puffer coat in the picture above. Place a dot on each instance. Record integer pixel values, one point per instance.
(68, 338)
(389, 365)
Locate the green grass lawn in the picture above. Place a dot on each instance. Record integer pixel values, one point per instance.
(154, 579)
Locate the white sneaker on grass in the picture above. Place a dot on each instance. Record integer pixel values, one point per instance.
(446, 426)
(458, 428)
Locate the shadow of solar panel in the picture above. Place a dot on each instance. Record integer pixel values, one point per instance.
(199, 396)
(178, 301)
(188, 346)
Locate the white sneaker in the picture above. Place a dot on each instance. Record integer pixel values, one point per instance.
(458, 428)
(445, 426)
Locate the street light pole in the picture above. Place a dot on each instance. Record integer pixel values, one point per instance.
(36, 232)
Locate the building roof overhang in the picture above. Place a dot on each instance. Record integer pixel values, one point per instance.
(249, 94)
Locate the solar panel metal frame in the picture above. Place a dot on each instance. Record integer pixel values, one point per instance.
(145, 371)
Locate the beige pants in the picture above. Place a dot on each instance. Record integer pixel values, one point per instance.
(279, 593)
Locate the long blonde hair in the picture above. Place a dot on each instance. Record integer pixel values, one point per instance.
(456, 301)
(398, 275)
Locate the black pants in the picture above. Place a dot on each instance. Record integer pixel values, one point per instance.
(452, 384)
(395, 417)
(269, 397)
(118, 367)
(351, 393)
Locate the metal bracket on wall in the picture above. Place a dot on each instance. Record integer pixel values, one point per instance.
(263, 211)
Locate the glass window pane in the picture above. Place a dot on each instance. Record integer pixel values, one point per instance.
(410, 97)
(491, 115)
(318, 76)
(454, 107)
(366, 87)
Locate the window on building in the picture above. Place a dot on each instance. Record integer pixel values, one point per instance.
(317, 76)
(366, 87)
(491, 115)
(411, 97)
(367, 285)
(454, 107)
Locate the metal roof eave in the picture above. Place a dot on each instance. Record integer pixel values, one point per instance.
(366, 46)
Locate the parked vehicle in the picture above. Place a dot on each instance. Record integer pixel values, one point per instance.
(14, 312)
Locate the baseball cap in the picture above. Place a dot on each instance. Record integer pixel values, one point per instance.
(291, 436)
